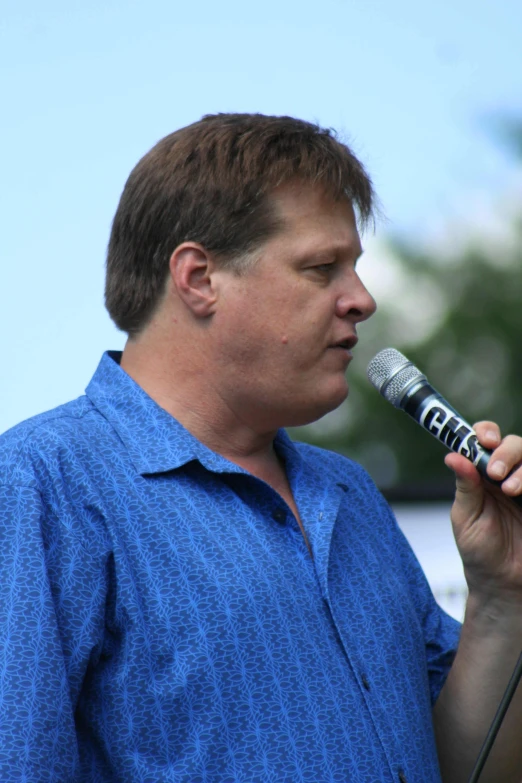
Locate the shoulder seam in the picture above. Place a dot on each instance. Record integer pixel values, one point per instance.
(38, 425)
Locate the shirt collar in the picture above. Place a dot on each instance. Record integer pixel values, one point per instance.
(155, 440)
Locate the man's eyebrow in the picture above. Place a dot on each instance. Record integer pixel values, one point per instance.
(341, 250)
(333, 250)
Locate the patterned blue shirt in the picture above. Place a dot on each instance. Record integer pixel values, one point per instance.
(162, 620)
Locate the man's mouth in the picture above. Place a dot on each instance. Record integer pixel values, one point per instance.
(347, 344)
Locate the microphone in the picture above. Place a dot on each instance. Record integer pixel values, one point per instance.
(406, 387)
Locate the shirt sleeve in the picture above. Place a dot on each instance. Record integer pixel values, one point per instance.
(441, 632)
(52, 587)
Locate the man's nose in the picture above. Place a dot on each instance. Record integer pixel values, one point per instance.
(355, 301)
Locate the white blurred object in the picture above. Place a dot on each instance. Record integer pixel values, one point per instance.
(427, 527)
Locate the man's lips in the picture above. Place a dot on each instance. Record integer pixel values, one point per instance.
(343, 348)
(346, 343)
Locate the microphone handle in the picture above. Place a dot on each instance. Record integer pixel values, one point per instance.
(429, 409)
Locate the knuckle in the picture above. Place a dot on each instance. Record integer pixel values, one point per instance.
(511, 444)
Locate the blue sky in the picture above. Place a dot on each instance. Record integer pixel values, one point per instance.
(87, 88)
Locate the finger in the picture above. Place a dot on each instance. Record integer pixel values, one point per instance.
(505, 461)
(469, 492)
(513, 485)
(505, 464)
(488, 433)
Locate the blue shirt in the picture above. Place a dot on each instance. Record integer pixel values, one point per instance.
(161, 618)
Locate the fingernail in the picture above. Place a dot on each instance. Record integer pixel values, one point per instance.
(498, 469)
(512, 484)
(492, 435)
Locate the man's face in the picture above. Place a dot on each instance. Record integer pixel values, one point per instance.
(285, 327)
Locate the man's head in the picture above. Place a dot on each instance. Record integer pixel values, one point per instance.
(213, 183)
(276, 340)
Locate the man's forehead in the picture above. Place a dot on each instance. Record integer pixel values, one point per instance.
(299, 203)
(308, 213)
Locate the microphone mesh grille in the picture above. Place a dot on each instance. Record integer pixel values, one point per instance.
(390, 372)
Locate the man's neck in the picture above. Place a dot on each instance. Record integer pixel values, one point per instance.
(183, 390)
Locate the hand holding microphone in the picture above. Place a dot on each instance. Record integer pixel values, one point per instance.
(488, 533)
(406, 387)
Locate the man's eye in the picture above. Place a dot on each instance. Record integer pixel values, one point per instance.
(325, 267)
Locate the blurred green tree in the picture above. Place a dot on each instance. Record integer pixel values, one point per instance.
(473, 355)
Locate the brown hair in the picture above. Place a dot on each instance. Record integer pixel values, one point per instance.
(210, 182)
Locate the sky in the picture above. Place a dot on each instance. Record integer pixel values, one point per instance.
(88, 88)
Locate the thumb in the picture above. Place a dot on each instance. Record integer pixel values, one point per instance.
(469, 491)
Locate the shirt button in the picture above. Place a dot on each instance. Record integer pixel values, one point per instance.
(279, 515)
(402, 776)
(365, 682)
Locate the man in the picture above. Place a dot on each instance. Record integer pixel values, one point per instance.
(186, 594)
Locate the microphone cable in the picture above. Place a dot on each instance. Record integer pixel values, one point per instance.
(497, 722)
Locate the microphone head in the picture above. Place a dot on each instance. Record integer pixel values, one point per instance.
(393, 374)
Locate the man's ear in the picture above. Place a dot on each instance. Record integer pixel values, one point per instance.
(191, 270)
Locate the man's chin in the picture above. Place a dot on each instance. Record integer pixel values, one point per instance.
(321, 408)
